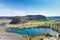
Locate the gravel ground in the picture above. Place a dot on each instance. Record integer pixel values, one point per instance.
(10, 36)
(50, 38)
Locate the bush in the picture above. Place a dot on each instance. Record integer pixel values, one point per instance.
(41, 39)
(48, 35)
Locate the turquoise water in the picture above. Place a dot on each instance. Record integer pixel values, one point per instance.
(33, 31)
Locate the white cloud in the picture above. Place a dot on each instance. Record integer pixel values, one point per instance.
(50, 13)
(9, 12)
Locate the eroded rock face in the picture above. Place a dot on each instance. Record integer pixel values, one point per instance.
(23, 19)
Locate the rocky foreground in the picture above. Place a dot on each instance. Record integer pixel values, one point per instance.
(10, 36)
(50, 38)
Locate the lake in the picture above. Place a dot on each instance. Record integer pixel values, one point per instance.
(33, 31)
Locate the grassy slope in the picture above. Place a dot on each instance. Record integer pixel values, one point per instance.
(40, 22)
(52, 23)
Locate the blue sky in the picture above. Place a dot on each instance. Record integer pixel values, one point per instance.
(29, 7)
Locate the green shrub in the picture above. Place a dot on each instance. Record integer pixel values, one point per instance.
(41, 39)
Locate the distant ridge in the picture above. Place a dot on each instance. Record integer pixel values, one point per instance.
(54, 18)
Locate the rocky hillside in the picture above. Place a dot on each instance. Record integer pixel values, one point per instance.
(23, 19)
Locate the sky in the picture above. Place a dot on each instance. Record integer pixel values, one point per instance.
(29, 7)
